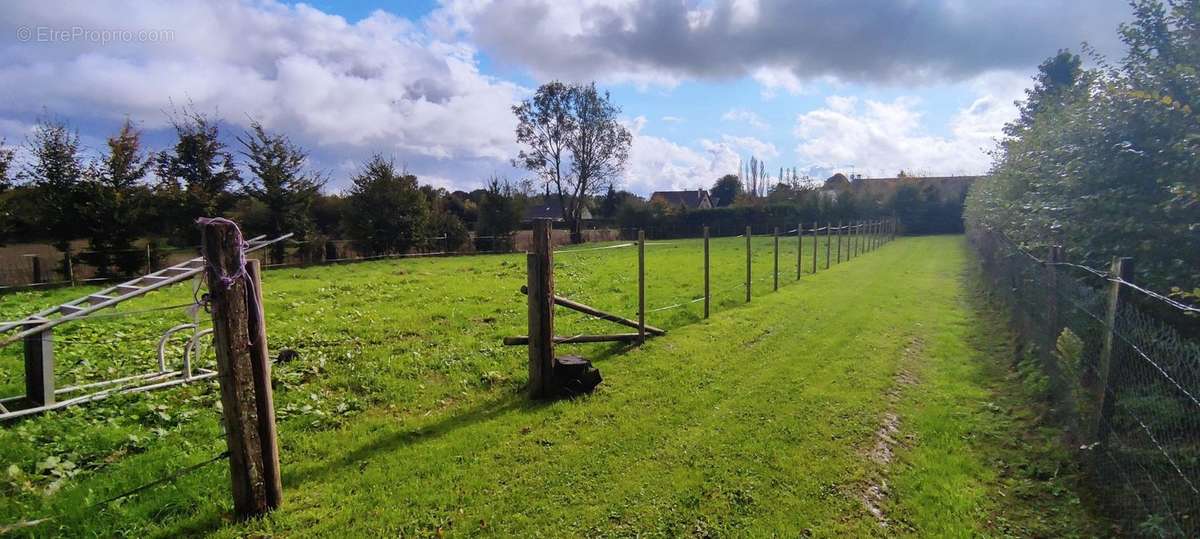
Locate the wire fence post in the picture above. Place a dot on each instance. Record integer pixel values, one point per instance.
(828, 242)
(799, 250)
(839, 242)
(1122, 269)
(641, 287)
(540, 284)
(707, 290)
(776, 267)
(748, 235)
(814, 254)
(233, 304)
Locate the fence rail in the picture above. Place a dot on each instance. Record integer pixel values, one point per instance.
(1121, 366)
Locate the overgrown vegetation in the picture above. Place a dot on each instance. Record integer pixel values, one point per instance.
(1106, 161)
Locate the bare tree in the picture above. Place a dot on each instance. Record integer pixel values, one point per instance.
(575, 144)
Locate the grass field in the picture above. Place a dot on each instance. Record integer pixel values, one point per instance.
(402, 415)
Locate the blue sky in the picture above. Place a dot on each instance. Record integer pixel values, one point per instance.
(820, 85)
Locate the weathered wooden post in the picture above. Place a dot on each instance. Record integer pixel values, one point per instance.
(839, 242)
(776, 237)
(707, 291)
(1122, 269)
(70, 267)
(814, 256)
(828, 242)
(641, 287)
(799, 250)
(748, 274)
(39, 367)
(149, 259)
(242, 364)
(540, 284)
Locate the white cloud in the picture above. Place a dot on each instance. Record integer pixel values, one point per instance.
(745, 146)
(742, 115)
(657, 164)
(383, 84)
(773, 79)
(880, 138)
(672, 119)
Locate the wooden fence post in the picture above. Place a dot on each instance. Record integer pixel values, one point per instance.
(39, 367)
(235, 334)
(70, 267)
(748, 270)
(263, 392)
(707, 291)
(776, 259)
(828, 242)
(540, 283)
(799, 250)
(149, 259)
(641, 287)
(1122, 267)
(814, 256)
(839, 241)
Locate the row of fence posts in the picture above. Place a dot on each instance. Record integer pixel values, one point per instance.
(860, 237)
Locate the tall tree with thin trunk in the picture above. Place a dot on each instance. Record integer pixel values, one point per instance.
(574, 143)
(281, 181)
(114, 214)
(55, 170)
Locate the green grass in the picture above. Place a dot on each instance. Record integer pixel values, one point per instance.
(403, 414)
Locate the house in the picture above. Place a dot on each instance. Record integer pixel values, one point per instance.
(689, 200)
(548, 207)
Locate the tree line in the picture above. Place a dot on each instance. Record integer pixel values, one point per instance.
(128, 195)
(1106, 161)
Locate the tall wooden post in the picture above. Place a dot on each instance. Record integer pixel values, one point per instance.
(776, 259)
(707, 291)
(748, 269)
(240, 345)
(1118, 294)
(39, 367)
(799, 250)
(828, 243)
(149, 259)
(839, 242)
(540, 283)
(264, 394)
(641, 287)
(814, 256)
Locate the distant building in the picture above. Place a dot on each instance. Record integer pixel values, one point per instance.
(697, 199)
(548, 207)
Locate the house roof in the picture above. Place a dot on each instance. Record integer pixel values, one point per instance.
(690, 199)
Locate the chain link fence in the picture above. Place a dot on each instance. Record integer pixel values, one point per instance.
(1120, 366)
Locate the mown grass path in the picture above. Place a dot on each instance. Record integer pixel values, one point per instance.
(757, 422)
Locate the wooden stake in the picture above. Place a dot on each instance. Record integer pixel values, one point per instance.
(1122, 267)
(606, 316)
(839, 242)
(641, 287)
(540, 284)
(264, 394)
(799, 250)
(748, 265)
(776, 259)
(577, 339)
(707, 291)
(231, 307)
(828, 242)
(814, 256)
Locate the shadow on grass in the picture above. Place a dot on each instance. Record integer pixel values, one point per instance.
(391, 441)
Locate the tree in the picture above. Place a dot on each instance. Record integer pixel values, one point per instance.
(56, 172)
(6, 159)
(281, 182)
(115, 214)
(500, 212)
(387, 211)
(196, 173)
(574, 143)
(726, 190)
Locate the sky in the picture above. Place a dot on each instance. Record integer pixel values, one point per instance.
(858, 86)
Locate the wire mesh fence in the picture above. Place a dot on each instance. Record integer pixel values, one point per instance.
(1121, 367)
